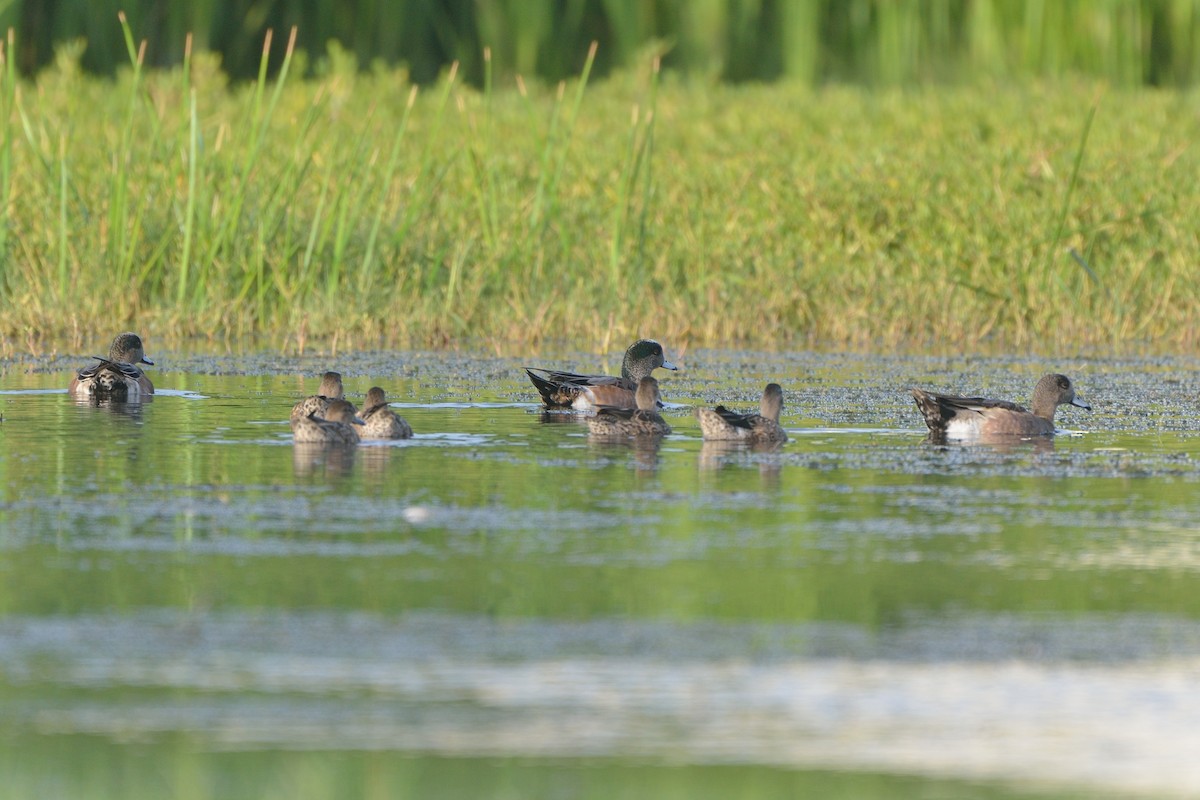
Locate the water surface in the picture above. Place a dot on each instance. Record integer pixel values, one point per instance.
(190, 605)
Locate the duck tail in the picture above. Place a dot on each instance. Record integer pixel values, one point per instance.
(931, 410)
(545, 387)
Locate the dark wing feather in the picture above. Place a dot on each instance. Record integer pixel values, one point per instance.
(128, 370)
(960, 403)
(613, 411)
(734, 418)
(575, 379)
(546, 388)
(560, 388)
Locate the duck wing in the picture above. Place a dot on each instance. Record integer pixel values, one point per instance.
(104, 364)
(559, 388)
(736, 419)
(615, 412)
(976, 404)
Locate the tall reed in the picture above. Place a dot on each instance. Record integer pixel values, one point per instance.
(879, 42)
(8, 88)
(351, 204)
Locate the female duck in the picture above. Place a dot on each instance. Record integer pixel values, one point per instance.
(337, 427)
(725, 425)
(643, 421)
(950, 416)
(117, 377)
(330, 389)
(379, 421)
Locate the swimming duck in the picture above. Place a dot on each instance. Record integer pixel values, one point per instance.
(330, 389)
(642, 421)
(117, 377)
(573, 390)
(337, 427)
(722, 424)
(379, 421)
(954, 417)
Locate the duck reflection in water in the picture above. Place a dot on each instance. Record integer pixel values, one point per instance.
(377, 459)
(643, 449)
(121, 409)
(993, 443)
(330, 459)
(718, 454)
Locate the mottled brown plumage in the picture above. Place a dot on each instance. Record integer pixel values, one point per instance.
(642, 421)
(721, 424)
(330, 389)
(337, 427)
(379, 421)
(117, 377)
(956, 417)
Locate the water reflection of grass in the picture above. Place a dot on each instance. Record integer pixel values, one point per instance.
(351, 206)
(93, 767)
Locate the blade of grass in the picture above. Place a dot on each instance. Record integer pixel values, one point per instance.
(189, 214)
(261, 122)
(547, 188)
(120, 253)
(7, 100)
(645, 159)
(1065, 210)
(63, 238)
(367, 269)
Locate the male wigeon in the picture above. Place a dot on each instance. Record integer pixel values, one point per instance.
(573, 390)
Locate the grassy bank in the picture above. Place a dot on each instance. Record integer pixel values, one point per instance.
(351, 205)
(873, 42)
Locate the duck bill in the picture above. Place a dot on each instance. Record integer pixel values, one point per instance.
(668, 365)
(146, 361)
(1079, 404)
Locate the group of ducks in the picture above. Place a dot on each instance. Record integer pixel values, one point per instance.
(628, 405)
(624, 406)
(326, 417)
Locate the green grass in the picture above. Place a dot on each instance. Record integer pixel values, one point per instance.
(349, 205)
(874, 42)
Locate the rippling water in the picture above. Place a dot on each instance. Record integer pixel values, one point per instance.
(190, 605)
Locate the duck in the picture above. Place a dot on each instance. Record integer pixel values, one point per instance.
(330, 389)
(584, 392)
(336, 427)
(643, 421)
(952, 416)
(721, 424)
(117, 377)
(379, 421)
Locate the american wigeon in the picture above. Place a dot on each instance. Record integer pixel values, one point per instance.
(117, 377)
(642, 421)
(379, 421)
(953, 417)
(573, 390)
(330, 389)
(337, 427)
(725, 425)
